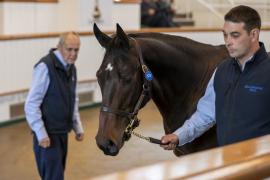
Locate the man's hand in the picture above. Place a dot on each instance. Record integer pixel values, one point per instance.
(45, 142)
(171, 140)
(79, 137)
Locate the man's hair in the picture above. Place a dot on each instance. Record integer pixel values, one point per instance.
(63, 37)
(250, 17)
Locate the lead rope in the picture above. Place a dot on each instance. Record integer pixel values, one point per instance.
(149, 139)
(155, 141)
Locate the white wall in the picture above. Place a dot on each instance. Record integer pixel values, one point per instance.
(1, 18)
(27, 18)
(86, 14)
(68, 13)
(21, 18)
(128, 15)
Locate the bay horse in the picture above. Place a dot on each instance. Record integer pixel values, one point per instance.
(178, 72)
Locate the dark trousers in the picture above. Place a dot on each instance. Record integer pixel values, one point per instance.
(51, 161)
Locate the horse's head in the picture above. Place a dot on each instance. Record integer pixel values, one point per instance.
(122, 84)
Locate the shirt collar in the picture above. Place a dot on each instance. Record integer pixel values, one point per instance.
(60, 57)
(243, 66)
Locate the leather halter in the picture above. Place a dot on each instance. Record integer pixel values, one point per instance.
(132, 116)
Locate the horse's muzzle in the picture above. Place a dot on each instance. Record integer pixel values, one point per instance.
(107, 146)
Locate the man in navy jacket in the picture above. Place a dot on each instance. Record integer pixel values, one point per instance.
(237, 97)
(51, 107)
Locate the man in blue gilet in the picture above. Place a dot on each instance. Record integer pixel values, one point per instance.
(237, 97)
(51, 107)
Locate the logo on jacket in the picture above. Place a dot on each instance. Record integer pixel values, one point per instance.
(253, 88)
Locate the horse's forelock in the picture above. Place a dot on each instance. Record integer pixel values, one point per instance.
(117, 43)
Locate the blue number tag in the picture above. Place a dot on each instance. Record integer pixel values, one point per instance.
(148, 75)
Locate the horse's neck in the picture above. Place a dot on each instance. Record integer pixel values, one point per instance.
(179, 81)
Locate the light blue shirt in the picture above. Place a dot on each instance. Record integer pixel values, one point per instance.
(40, 84)
(202, 120)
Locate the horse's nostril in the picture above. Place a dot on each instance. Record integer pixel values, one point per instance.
(111, 143)
(108, 147)
(112, 148)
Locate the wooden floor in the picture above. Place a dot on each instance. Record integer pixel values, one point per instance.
(85, 160)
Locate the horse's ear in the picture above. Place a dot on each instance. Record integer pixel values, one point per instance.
(122, 36)
(102, 38)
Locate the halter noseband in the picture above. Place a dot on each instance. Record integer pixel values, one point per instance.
(132, 116)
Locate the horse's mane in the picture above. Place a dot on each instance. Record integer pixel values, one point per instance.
(174, 41)
(176, 44)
